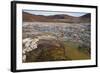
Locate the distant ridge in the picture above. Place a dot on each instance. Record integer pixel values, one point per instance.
(86, 16)
(27, 17)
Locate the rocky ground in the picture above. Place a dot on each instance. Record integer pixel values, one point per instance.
(55, 41)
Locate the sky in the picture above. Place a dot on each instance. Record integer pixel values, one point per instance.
(47, 13)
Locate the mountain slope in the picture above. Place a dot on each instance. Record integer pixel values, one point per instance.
(27, 17)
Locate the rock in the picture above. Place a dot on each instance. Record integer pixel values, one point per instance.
(47, 50)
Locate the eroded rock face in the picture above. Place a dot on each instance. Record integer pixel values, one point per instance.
(42, 49)
(28, 45)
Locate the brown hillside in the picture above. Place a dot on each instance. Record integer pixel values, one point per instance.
(27, 17)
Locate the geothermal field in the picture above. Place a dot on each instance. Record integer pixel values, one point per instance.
(55, 38)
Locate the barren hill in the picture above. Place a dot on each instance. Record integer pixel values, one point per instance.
(27, 17)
